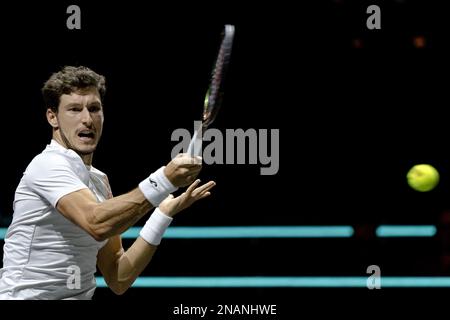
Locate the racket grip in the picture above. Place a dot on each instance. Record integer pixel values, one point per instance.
(195, 146)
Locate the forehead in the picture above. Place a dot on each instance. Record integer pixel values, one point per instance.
(83, 96)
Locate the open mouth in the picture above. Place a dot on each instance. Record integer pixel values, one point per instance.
(86, 135)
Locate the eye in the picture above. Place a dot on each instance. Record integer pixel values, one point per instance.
(94, 108)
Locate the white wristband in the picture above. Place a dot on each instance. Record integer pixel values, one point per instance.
(157, 187)
(154, 228)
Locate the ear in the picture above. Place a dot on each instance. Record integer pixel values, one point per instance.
(52, 118)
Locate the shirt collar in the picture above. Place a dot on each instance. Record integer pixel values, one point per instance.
(56, 145)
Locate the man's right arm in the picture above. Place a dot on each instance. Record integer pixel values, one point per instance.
(105, 219)
(115, 215)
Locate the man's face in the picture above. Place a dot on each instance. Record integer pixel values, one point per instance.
(80, 120)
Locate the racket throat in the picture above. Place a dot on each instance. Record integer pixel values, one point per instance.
(195, 146)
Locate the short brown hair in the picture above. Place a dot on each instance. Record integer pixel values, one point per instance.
(68, 80)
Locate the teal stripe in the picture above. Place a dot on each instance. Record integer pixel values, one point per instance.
(251, 232)
(245, 232)
(270, 282)
(280, 232)
(406, 231)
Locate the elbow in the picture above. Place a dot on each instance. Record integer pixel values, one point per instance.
(118, 292)
(99, 234)
(99, 238)
(118, 289)
(99, 230)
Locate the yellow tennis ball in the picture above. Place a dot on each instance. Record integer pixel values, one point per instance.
(423, 177)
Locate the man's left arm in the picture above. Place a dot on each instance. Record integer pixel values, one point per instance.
(120, 268)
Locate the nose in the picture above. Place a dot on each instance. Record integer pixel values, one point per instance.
(86, 118)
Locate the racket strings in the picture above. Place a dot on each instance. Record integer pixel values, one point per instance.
(216, 81)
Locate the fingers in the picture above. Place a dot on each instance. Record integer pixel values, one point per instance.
(195, 159)
(194, 171)
(191, 172)
(188, 161)
(206, 186)
(200, 191)
(183, 169)
(192, 187)
(206, 194)
(198, 160)
(191, 175)
(191, 164)
(193, 193)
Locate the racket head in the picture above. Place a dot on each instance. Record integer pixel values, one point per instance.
(213, 98)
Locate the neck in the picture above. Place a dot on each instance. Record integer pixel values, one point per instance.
(87, 158)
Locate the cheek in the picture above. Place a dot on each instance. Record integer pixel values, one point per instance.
(66, 123)
(100, 120)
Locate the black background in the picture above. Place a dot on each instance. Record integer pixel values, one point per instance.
(352, 122)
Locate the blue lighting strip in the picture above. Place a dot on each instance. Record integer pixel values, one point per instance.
(251, 232)
(277, 282)
(279, 232)
(406, 231)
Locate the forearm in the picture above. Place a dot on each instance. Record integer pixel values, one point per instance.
(121, 268)
(116, 215)
(131, 264)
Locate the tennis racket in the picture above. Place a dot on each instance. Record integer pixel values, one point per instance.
(214, 95)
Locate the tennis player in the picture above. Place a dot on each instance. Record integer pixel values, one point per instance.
(66, 221)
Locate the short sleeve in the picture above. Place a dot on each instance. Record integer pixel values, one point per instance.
(52, 176)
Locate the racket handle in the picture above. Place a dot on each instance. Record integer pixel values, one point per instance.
(195, 146)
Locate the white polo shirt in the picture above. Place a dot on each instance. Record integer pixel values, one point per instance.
(46, 256)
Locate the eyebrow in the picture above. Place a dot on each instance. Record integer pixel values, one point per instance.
(75, 104)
